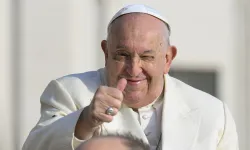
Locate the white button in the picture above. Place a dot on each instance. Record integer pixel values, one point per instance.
(145, 117)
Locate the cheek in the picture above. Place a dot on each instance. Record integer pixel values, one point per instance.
(154, 69)
(115, 67)
(114, 70)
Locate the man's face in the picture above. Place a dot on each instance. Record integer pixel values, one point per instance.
(137, 50)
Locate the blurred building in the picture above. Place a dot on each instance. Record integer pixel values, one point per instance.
(44, 40)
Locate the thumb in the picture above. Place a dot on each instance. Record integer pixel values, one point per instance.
(121, 85)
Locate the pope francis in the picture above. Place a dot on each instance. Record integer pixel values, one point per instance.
(133, 93)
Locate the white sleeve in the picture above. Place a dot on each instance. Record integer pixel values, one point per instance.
(76, 142)
(59, 115)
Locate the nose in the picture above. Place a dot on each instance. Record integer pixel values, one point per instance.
(133, 67)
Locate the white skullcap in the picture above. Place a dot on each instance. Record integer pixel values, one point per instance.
(139, 8)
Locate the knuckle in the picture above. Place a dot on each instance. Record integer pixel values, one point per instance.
(105, 118)
(101, 89)
(117, 104)
(98, 96)
(116, 90)
(120, 95)
(117, 94)
(115, 112)
(109, 119)
(100, 92)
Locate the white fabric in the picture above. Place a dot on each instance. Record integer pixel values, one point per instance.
(150, 121)
(139, 8)
(191, 119)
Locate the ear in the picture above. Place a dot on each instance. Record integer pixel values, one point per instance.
(170, 55)
(105, 50)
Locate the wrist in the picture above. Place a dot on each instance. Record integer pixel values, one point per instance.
(84, 128)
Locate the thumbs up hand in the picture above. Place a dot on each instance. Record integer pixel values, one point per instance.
(105, 104)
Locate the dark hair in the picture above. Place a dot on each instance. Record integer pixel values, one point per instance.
(132, 142)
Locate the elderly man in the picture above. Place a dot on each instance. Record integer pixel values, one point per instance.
(114, 142)
(133, 93)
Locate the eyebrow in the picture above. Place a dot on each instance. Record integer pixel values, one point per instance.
(119, 47)
(148, 52)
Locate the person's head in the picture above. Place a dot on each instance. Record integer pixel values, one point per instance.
(138, 49)
(114, 142)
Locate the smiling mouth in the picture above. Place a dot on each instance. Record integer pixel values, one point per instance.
(134, 81)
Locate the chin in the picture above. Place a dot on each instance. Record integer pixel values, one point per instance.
(133, 97)
(132, 104)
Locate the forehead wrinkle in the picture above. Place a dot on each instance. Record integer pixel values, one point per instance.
(131, 21)
(140, 39)
(129, 30)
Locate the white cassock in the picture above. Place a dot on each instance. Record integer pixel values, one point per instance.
(187, 118)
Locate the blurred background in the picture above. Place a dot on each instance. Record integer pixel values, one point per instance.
(46, 39)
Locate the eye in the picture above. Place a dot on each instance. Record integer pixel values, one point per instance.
(121, 56)
(148, 58)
